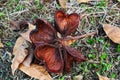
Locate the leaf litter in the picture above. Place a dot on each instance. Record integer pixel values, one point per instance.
(23, 56)
(112, 32)
(20, 52)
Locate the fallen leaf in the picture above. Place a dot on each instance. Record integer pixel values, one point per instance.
(102, 77)
(36, 71)
(85, 1)
(112, 32)
(26, 34)
(29, 58)
(63, 3)
(17, 25)
(20, 52)
(79, 77)
(1, 45)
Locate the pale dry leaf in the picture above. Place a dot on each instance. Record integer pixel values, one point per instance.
(63, 3)
(36, 71)
(29, 58)
(20, 52)
(102, 77)
(79, 77)
(112, 32)
(26, 34)
(1, 45)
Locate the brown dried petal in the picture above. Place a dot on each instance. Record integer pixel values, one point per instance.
(66, 23)
(44, 32)
(68, 62)
(52, 57)
(75, 54)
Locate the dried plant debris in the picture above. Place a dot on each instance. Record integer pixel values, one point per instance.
(18, 25)
(23, 56)
(46, 41)
(1, 45)
(20, 52)
(25, 35)
(112, 32)
(103, 77)
(36, 71)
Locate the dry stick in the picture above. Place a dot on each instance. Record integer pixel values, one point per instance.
(81, 36)
(19, 12)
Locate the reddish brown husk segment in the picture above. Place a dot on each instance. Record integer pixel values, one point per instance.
(66, 23)
(50, 48)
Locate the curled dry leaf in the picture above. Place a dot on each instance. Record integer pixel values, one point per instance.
(112, 32)
(79, 77)
(26, 34)
(102, 77)
(36, 71)
(29, 58)
(20, 52)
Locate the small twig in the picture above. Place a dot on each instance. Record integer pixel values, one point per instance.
(94, 13)
(19, 12)
(91, 61)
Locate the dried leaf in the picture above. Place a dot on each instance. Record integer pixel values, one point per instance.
(20, 52)
(36, 71)
(1, 45)
(26, 34)
(29, 58)
(102, 77)
(79, 77)
(17, 25)
(63, 3)
(112, 32)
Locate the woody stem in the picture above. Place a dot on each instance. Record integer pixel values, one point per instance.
(81, 36)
